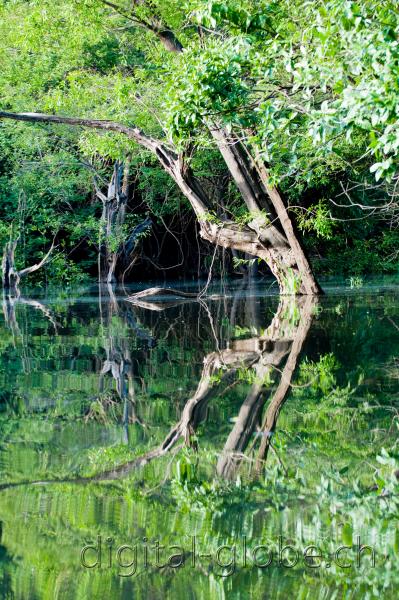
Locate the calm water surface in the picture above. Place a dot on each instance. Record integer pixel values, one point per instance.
(168, 439)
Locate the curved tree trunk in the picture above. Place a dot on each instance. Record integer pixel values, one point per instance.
(251, 178)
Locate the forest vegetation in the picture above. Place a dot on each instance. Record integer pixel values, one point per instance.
(146, 139)
(247, 149)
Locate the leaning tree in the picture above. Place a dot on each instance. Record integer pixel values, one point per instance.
(274, 88)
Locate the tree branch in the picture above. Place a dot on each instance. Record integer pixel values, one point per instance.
(127, 16)
(133, 133)
(160, 29)
(169, 159)
(33, 268)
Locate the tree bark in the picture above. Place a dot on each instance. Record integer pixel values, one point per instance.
(112, 248)
(10, 275)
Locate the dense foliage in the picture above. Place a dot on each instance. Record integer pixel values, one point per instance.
(312, 86)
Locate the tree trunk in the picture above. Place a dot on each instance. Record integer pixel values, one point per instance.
(112, 218)
(113, 248)
(252, 180)
(10, 275)
(263, 241)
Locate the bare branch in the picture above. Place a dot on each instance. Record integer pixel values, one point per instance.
(131, 132)
(33, 268)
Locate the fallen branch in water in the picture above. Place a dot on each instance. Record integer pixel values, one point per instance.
(160, 306)
(157, 291)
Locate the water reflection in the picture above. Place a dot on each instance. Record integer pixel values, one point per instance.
(258, 356)
(267, 359)
(118, 360)
(103, 401)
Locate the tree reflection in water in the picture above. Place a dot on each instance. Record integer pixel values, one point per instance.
(268, 359)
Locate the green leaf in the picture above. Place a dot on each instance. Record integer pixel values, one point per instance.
(347, 534)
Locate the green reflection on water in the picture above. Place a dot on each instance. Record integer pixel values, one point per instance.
(236, 420)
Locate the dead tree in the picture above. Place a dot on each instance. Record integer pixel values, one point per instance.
(113, 247)
(11, 276)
